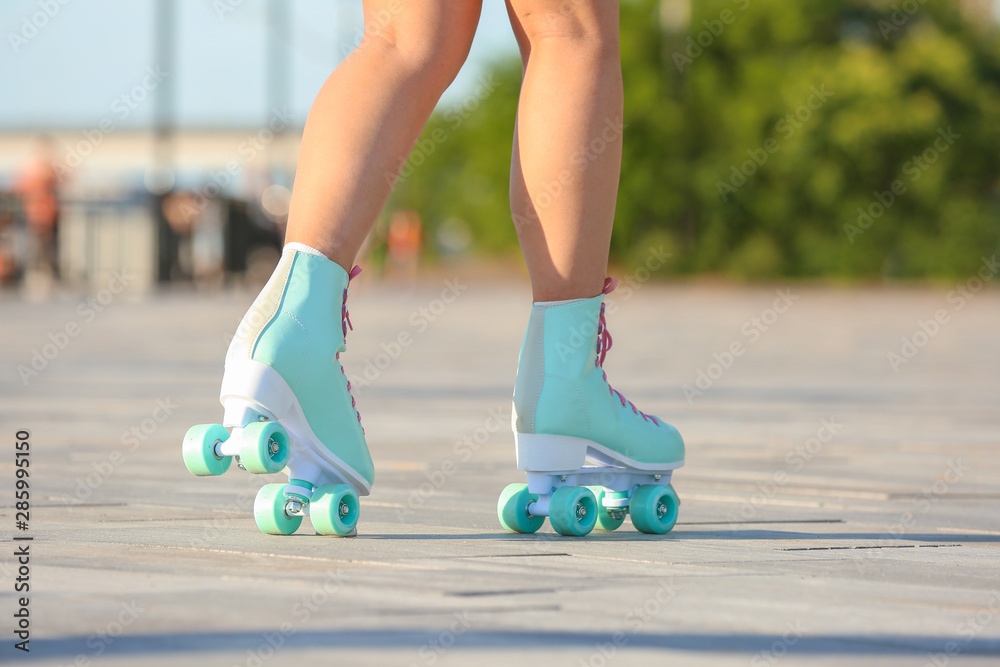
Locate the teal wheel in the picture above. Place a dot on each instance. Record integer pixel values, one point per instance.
(573, 510)
(654, 509)
(512, 510)
(334, 509)
(605, 521)
(199, 450)
(269, 511)
(264, 447)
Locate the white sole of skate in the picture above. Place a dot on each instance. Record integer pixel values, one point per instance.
(551, 462)
(253, 391)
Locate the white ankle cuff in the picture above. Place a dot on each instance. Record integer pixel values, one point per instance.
(546, 304)
(302, 247)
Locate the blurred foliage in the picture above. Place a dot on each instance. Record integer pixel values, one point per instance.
(886, 87)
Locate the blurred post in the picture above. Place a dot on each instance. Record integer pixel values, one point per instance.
(160, 180)
(279, 72)
(279, 78)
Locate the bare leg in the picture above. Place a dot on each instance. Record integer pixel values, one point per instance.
(368, 115)
(567, 142)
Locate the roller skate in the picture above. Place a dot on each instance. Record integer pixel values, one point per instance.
(591, 457)
(288, 404)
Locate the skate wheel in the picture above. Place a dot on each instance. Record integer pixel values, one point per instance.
(573, 510)
(199, 450)
(334, 509)
(269, 511)
(264, 447)
(512, 510)
(654, 509)
(604, 520)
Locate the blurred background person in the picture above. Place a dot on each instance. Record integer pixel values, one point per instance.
(37, 185)
(403, 244)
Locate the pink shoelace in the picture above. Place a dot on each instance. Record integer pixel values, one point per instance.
(604, 342)
(345, 322)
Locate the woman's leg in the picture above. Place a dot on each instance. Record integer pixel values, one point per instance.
(368, 115)
(567, 142)
(564, 183)
(287, 398)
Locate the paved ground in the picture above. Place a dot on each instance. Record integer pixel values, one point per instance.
(834, 508)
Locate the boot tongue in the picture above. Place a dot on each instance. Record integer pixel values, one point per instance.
(604, 342)
(345, 316)
(345, 323)
(604, 339)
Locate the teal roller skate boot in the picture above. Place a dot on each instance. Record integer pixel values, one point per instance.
(288, 403)
(590, 455)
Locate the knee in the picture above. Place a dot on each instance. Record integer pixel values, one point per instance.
(433, 54)
(574, 28)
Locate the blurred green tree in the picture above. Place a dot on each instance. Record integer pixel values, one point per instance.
(767, 138)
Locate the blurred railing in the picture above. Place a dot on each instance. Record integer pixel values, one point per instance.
(99, 237)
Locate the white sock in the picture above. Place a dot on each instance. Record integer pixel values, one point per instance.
(302, 247)
(546, 304)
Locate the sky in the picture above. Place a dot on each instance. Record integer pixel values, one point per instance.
(68, 63)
